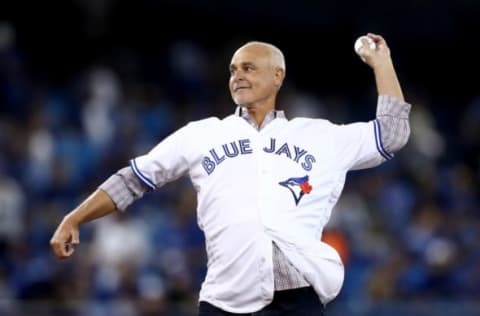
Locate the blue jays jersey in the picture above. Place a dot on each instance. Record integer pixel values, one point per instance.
(278, 184)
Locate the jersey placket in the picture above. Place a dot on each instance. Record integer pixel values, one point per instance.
(265, 260)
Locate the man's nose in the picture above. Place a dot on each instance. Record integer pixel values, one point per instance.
(238, 76)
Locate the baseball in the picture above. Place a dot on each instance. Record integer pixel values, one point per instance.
(359, 44)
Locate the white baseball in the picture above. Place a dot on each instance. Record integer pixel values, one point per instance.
(359, 44)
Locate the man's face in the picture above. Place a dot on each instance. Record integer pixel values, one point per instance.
(253, 78)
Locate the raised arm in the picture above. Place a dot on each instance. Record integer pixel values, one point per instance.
(392, 126)
(379, 59)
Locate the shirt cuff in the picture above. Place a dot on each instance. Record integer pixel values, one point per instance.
(118, 192)
(392, 106)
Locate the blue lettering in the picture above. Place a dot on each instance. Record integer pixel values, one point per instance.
(228, 153)
(245, 146)
(299, 153)
(309, 160)
(284, 149)
(272, 146)
(218, 160)
(208, 165)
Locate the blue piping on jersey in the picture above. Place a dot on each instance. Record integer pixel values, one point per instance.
(140, 176)
(378, 141)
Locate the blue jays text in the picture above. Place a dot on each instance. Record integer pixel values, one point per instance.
(218, 155)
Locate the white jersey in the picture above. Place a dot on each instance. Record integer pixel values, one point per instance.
(255, 187)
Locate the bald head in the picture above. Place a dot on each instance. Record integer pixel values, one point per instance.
(273, 52)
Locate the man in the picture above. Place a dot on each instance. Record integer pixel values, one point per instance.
(266, 187)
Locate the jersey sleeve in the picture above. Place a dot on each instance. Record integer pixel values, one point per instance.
(359, 145)
(165, 162)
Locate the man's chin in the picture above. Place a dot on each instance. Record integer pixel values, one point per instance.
(242, 102)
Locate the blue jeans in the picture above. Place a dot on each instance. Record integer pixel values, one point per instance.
(297, 302)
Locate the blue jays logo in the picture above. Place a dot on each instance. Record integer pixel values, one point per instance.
(298, 186)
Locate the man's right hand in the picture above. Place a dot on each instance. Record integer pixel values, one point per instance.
(65, 238)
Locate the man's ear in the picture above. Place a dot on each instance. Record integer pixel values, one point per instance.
(279, 76)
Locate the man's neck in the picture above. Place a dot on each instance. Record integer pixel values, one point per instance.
(258, 111)
(258, 116)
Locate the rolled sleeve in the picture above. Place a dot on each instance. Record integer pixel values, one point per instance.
(393, 120)
(124, 188)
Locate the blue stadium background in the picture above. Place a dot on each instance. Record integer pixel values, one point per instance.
(87, 85)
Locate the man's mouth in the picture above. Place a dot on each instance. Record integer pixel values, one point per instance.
(241, 88)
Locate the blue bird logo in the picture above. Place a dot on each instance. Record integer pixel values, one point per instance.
(298, 187)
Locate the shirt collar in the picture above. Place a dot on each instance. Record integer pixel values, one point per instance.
(273, 114)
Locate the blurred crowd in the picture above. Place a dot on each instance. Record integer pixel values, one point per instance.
(409, 229)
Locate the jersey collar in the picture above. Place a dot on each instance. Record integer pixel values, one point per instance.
(243, 112)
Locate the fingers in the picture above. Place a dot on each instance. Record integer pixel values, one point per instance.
(69, 250)
(378, 39)
(75, 237)
(59, 247)
(375, 37)
(366, 49)
(367, 44)
(374, 50)
(64, 240)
